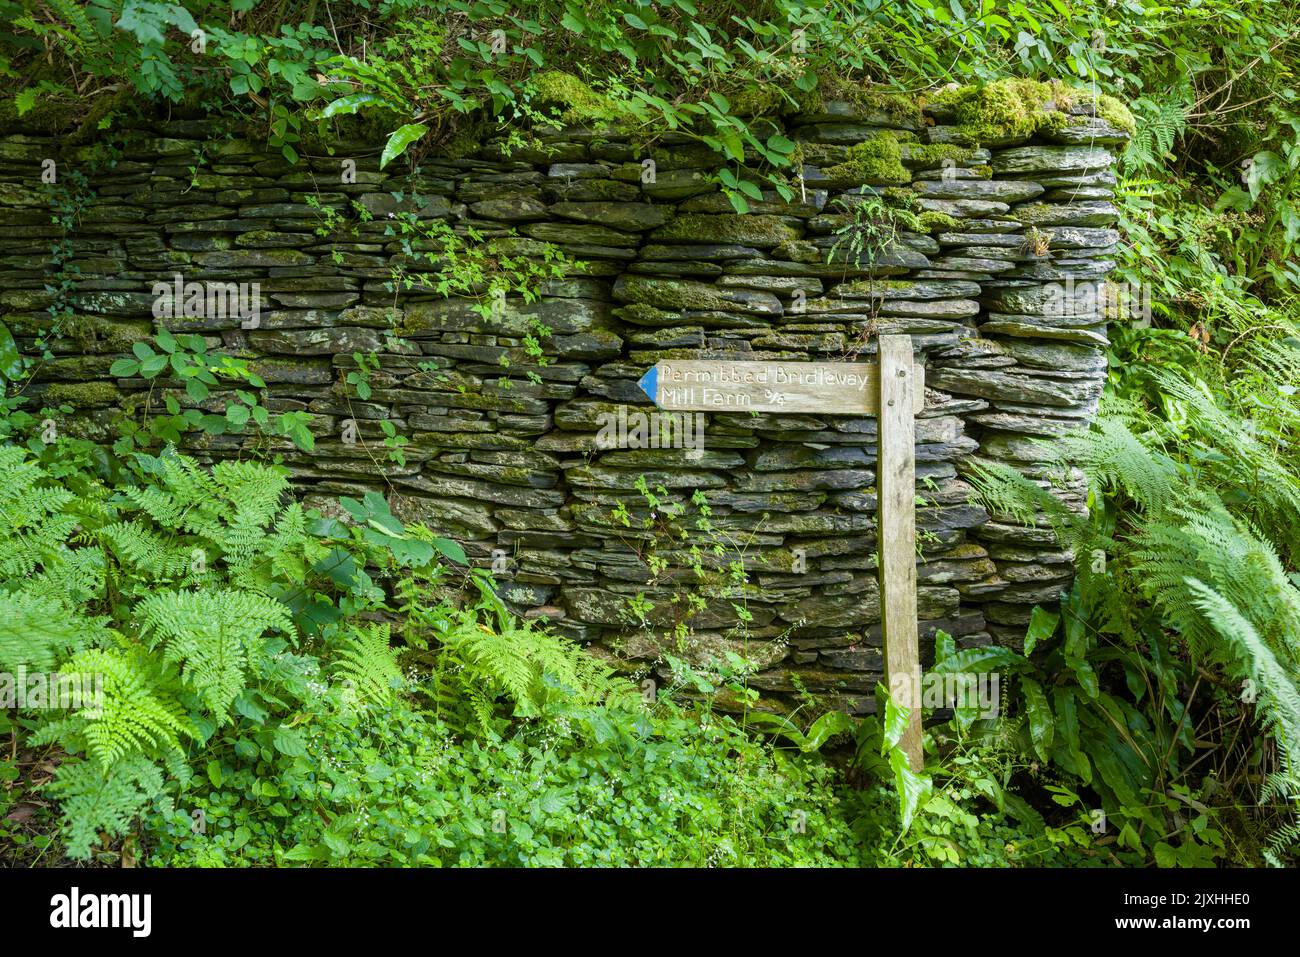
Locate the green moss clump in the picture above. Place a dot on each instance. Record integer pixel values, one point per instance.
(932, 155)
(874, 287)
(1116, 114)
(899, 197)
(876, 161)
(1007, 110)
(82, 394)
(900, 107)
(60, 115)
(755, 101)
(935, 222)
(578, 102)
(104, 108)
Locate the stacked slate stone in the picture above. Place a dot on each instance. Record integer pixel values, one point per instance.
(512, 468)
(1044, 240)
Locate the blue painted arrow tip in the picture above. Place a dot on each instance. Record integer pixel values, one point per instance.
(649, 384)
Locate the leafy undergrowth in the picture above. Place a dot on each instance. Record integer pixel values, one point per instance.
(261, 686)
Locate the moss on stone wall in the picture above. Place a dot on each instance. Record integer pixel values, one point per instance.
(81, 395)
(1007, 109)
(574, 99)
(668, 272)
(1116, 113)
(934, 222)
(62, 116)
(932, 155)
(876, 161)
(900, 107)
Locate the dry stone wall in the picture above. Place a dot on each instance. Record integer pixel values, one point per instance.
(1013, 355)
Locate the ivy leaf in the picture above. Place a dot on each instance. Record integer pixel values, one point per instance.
(399, 140)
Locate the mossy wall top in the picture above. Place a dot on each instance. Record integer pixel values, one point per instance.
(976, 237)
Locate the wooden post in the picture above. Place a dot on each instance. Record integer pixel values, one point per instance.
(896, 531)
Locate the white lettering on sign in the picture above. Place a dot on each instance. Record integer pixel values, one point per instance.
(705, 385)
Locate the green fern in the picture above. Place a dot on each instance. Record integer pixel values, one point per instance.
(224, 514)
(134, 715)
(1161, 123)
(37, 632)
(34, 526)
(366, 660)
(95, 799)
(212, 635)
(148, 553)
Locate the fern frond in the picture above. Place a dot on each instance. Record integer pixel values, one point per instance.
(1278, 701)
(366, 659)
(212, 635)
(96, 799)
(147, 552)
(131, 716)
(38, 632)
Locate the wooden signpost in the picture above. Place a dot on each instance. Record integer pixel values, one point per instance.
(893, 389)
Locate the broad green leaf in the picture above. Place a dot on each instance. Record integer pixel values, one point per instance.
(913, 789)
(11, 362)
(451, 550)
(399, 140)
(825, 728)
(1042, 625)
(1041, 724)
